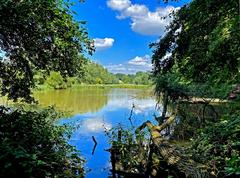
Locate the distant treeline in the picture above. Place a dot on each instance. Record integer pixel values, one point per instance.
(93, 73)
(97, 74)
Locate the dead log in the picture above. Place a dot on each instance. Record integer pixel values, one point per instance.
(175, 157)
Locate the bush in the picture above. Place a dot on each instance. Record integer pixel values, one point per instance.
(31, 145)
(72, 81)
(56, 81)
(219, 145)
(98, 80)
(39, 78)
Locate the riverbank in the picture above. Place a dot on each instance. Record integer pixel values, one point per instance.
(99, 86)
(130, 86)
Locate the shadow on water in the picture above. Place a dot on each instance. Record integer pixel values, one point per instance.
(95, 111)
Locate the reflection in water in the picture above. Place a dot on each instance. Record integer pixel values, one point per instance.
(99, 110)
(74, 100)
(95, 125)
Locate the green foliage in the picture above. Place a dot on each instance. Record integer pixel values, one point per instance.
(39, 78)
(219, 145)
(125, 78)
(32, 145)
(200, 56)
(97, 74)
(98, 80)
(208, 90)
(130, 148)
(169, 82)
(72, 81)
(56, 81)
(233, 165)
(140, 78)
(38, 34)
(202, 43)
(91, 73)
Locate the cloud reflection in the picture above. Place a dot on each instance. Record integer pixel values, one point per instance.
(140, 105)
(95, 125)
(144, 105)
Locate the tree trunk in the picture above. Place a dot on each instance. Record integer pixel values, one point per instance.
(165, 104)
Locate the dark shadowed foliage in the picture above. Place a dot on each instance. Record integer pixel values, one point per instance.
(38, 34)
(32, 145)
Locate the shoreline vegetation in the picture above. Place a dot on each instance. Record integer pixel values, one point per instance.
(98, 86)
(98, 76)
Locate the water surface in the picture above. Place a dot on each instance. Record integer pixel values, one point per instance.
(95, 111)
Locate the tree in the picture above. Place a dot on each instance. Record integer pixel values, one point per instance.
(97, 74)
(200, 53)
(202, 43)
(142, 78)
(38, 34)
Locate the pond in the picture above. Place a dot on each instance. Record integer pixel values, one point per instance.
(96, 111)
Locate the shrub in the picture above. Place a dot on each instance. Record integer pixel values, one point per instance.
(56, 81)
(72, 81)
(32, 145)
(219, 145)
(98, 80)
(39, 78)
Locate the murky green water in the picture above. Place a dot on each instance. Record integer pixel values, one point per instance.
(96, 110)
(91, 99)
(74, 100)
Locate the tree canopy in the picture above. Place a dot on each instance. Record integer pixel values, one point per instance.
(199, 56)
(202, 43)
(38, 34)
(95, 73)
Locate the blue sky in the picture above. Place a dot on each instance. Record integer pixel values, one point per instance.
(123, 30)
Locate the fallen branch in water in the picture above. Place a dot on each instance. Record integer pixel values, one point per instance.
(173, 156)
(131, 113)
(95, 144)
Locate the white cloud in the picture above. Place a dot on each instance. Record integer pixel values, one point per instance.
(143, 21)
(124, 68)
(103, 43)
(132, 66)
(153, 23)
(134, 11)
(140, 61)
(118, 4)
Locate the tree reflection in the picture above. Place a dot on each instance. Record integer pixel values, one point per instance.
(74, 101)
